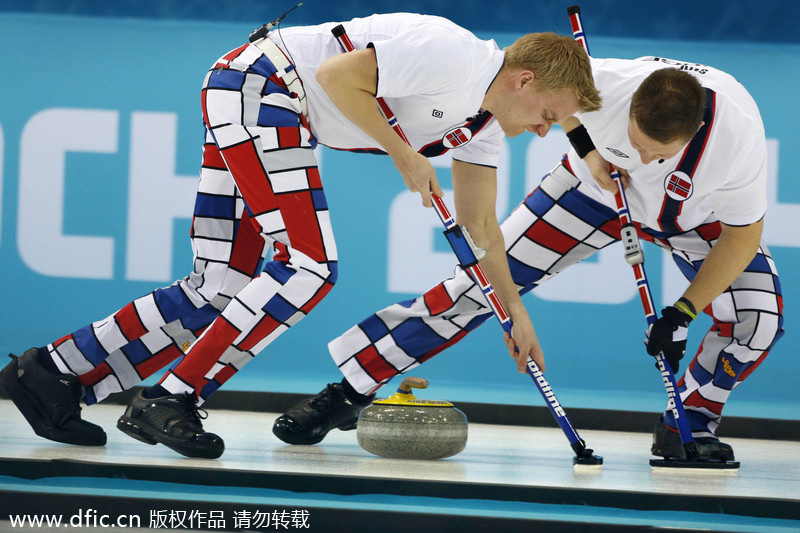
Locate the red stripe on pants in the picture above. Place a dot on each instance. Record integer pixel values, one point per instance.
(266, 326)
(302, 226)
(543, 233)
(129, 322)
(251, 178)
(247, 247)
(437, 300)
(158, 361)
(205, 354)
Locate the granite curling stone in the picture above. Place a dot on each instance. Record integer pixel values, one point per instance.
(404, 427)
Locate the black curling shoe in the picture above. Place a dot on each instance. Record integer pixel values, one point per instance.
(174, 421)
(667, 443)
(308, 421)
(49, 402)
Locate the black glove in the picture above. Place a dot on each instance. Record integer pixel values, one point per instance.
(668, 335)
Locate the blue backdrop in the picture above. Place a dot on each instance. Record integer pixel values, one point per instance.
(100, 137)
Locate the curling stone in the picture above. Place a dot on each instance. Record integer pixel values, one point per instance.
(403, 427)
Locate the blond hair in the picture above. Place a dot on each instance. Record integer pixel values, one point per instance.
(558, 62)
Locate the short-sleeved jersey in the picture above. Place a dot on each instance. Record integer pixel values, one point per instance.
(432, 73)
(721, 175)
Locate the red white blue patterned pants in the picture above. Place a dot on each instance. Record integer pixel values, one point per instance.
(555, 227)
(259, 187)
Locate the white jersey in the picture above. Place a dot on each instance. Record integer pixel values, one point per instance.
(432, 73)
(721, 175)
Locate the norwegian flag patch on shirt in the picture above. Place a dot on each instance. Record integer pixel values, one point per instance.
(678, 186)
(457, 137)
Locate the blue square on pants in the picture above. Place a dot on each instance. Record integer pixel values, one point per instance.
(226, 79)
(279, 309)
(374, 328)
(416, 338)
(318, 198)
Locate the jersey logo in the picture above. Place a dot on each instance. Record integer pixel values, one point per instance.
(617, 153)
(437, 114)
(678, 186)
(457, 137)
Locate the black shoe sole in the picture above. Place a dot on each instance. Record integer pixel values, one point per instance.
(32, 410)
(133, 430)
(147, 434)
(699, 464)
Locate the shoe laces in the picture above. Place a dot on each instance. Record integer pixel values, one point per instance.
(327, 397)
(194, 412)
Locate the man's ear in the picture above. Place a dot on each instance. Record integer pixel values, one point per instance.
(524, 77)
